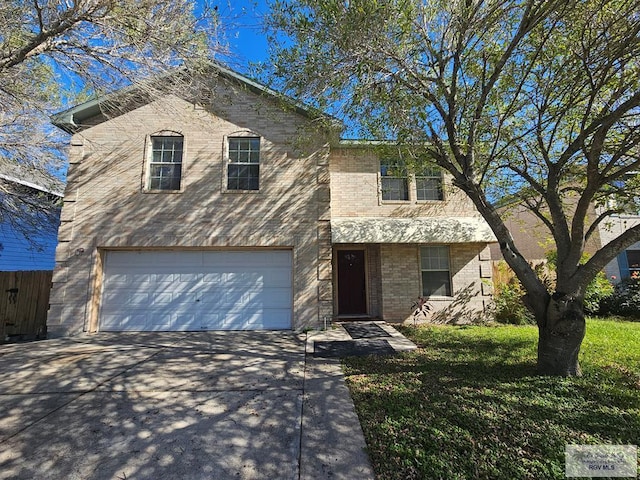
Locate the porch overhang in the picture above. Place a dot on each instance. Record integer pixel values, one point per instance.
(411, 230)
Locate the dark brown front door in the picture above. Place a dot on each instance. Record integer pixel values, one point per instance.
(352, 295)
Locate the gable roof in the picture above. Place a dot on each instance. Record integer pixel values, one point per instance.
(71, 120)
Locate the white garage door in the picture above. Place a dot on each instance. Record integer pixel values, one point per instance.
(196, 290)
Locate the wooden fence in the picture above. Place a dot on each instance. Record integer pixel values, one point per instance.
(24, 301)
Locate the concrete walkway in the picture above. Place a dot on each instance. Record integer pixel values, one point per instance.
(206, 405)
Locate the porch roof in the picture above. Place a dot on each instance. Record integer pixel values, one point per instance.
(411, 230)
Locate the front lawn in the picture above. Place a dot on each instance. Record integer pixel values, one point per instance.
(468, 405)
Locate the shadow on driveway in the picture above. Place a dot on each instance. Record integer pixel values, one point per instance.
(180, 405)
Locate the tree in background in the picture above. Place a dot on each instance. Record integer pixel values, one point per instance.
(56, 51)
(538, 99)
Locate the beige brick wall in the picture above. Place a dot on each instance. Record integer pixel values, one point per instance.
(394, 278)
(355, 191)
(106, 206)
(470, 266)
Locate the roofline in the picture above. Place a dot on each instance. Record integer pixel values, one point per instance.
(35, 186)
(70, 120)
(361, 143)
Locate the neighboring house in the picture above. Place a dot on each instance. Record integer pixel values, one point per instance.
(28, 240)
(627, 263)
(534, 240)
(203, 213)
(532, 237)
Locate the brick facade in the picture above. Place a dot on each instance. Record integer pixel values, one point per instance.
(107, 206)
(394, 279)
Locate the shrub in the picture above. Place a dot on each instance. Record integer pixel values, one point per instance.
(509, 307)
(508, 292)
(625, 299)
(507, 299)
(599, 289)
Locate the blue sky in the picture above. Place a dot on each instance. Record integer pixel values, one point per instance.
(242, 24)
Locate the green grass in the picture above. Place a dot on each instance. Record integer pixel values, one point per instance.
(468, 404)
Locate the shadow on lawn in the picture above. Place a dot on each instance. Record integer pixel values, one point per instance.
(486, 385)
(479, 399)
(495, 360)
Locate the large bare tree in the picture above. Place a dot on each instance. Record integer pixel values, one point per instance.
(538, 99)
(55, 52)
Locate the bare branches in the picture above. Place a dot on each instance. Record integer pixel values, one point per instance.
(55, 51)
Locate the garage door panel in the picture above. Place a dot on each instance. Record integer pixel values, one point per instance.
(159, 323)
(213, 278)
(118, 322)
(162, 298)
(273, 258)
(261, 319)
(185, 323)
(122, 297)
(189, 297)
(164, 278)
(278, 298)
(175, 290)
(209, 321)
(277, 317)
(189, 277)
(126, 279)
(278, 277)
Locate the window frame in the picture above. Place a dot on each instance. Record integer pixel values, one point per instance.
(229, 163)
(390, 164)
(151, 164)
(423, 270)
(435, 174)
(633, 261)
(411, 181)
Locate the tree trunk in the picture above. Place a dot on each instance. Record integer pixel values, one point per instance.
(560, 336)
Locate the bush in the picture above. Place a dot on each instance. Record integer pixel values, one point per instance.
(624, 301)
(599, 289)
(508, 292)
(508, 303)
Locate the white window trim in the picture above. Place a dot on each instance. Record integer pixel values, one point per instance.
(148, 157)
(412, 190)
(383, 201)
(415, 177)
(226, 161)
(420, 270)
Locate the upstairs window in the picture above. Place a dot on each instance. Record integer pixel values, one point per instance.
(243, 171)
(436, 274)
(165, 167)
(394, 180)
(429, 184)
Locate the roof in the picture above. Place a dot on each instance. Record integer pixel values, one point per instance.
(363, 143)
(70, 120)
(31, 177)
(411, 230)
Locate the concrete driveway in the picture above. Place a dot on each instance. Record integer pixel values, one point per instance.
(210, 405)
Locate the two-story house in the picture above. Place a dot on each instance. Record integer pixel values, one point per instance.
(200, 211)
